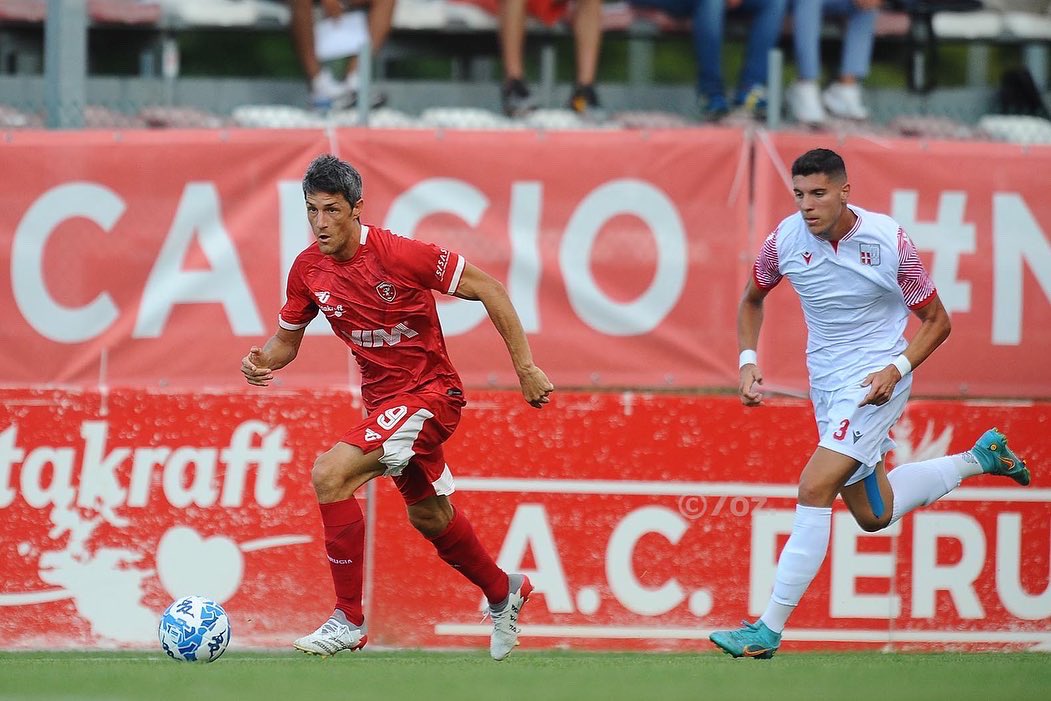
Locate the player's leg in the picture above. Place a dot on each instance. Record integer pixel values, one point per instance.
(336, 476)
(425, 485)
(871, 499)
(801, 558)
(918, 484)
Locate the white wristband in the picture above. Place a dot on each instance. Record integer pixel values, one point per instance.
(748, 357)
(903, 365)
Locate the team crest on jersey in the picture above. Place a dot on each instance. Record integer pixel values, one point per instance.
(386, 291)
(322, 296)
(870, 254)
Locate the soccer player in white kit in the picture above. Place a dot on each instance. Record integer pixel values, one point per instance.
(858, 276)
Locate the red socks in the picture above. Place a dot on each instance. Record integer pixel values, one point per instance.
(459, 546)
(345, 544)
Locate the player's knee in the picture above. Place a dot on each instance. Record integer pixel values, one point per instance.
(811, 494)
(326, 476)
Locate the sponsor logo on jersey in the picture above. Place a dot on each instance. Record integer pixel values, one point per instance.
(386, 291)
(322, 296)
(332, 311)
(443, 261)
(375, 338)
(807, 255)
(869, 254)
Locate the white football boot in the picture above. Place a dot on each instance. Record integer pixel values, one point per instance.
(335, 634)
(505, 621)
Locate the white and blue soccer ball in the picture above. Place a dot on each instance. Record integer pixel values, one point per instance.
(194, 629)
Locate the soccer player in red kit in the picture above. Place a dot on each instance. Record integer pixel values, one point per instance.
(375, 289)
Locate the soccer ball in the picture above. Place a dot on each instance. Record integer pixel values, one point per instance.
(194, 629)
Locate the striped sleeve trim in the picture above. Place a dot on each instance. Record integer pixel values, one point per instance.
(461, 263)
(766, 271)
(916, 285)
(291, 327)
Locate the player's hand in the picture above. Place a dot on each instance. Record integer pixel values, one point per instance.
(749, 388)
(332, 8)
(536, 388)
(881, 386)
(253, 367)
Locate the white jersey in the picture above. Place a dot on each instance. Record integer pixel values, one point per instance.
(856, 293)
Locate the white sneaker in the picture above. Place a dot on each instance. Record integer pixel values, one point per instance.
(335, 634)
(505, 621)
(844, 100)
(804, 99)
(327, 93)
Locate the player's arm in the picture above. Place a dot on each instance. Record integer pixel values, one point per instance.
(935, 326)
(477, 285)
(259, 365)
(749, 322)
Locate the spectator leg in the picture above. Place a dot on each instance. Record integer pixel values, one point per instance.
(858, 38)
(587, 35)
(302, 28)
(709, 20)
(806, 31)
(767, 20)
(512, 38)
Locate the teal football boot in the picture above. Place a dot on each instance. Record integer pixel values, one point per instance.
(996, 458)
(754, 640)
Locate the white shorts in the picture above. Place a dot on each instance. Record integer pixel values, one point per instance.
(862, 433)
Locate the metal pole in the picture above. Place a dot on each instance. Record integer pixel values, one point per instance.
(65, 63)
(774, 78)
(365, 81)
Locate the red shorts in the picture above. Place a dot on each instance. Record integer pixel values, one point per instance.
(547, 11)
(410, 429)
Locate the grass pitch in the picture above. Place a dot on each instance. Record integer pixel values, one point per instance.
(527, 675)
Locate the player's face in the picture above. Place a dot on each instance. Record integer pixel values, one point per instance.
(822, 201)
(333, 221)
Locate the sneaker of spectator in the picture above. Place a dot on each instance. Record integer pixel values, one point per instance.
(804, 101)
(713, 107)
(752, 101)
(584, 101)
(844, 100)
(327, 93)
(377, 97)
(516, 98)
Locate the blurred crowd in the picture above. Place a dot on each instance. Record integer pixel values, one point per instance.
(338, 44)
(814, 97)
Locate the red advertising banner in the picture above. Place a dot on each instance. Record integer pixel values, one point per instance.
(981, 220)
(647, 521)
(157, 259)
(644, 520)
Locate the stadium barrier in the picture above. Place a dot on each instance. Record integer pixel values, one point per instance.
(647, 519)
(644, 520)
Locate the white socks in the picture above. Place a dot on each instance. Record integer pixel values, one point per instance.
(799, 562)
(914, 485)
(921, 483)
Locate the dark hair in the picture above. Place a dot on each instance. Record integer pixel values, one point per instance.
(820, 160)
(328, 174)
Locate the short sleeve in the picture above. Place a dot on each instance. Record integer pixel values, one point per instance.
(430, 265)
(300, 308)
(766, 271)
(916, 285)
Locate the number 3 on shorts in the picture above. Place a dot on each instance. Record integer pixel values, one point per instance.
(841, 433)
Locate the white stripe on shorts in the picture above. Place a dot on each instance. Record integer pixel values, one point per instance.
(397, 450)
(444, 485)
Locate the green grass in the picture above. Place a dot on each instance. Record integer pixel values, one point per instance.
(536, 676)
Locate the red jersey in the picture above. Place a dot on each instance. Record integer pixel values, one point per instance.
(380, 303)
